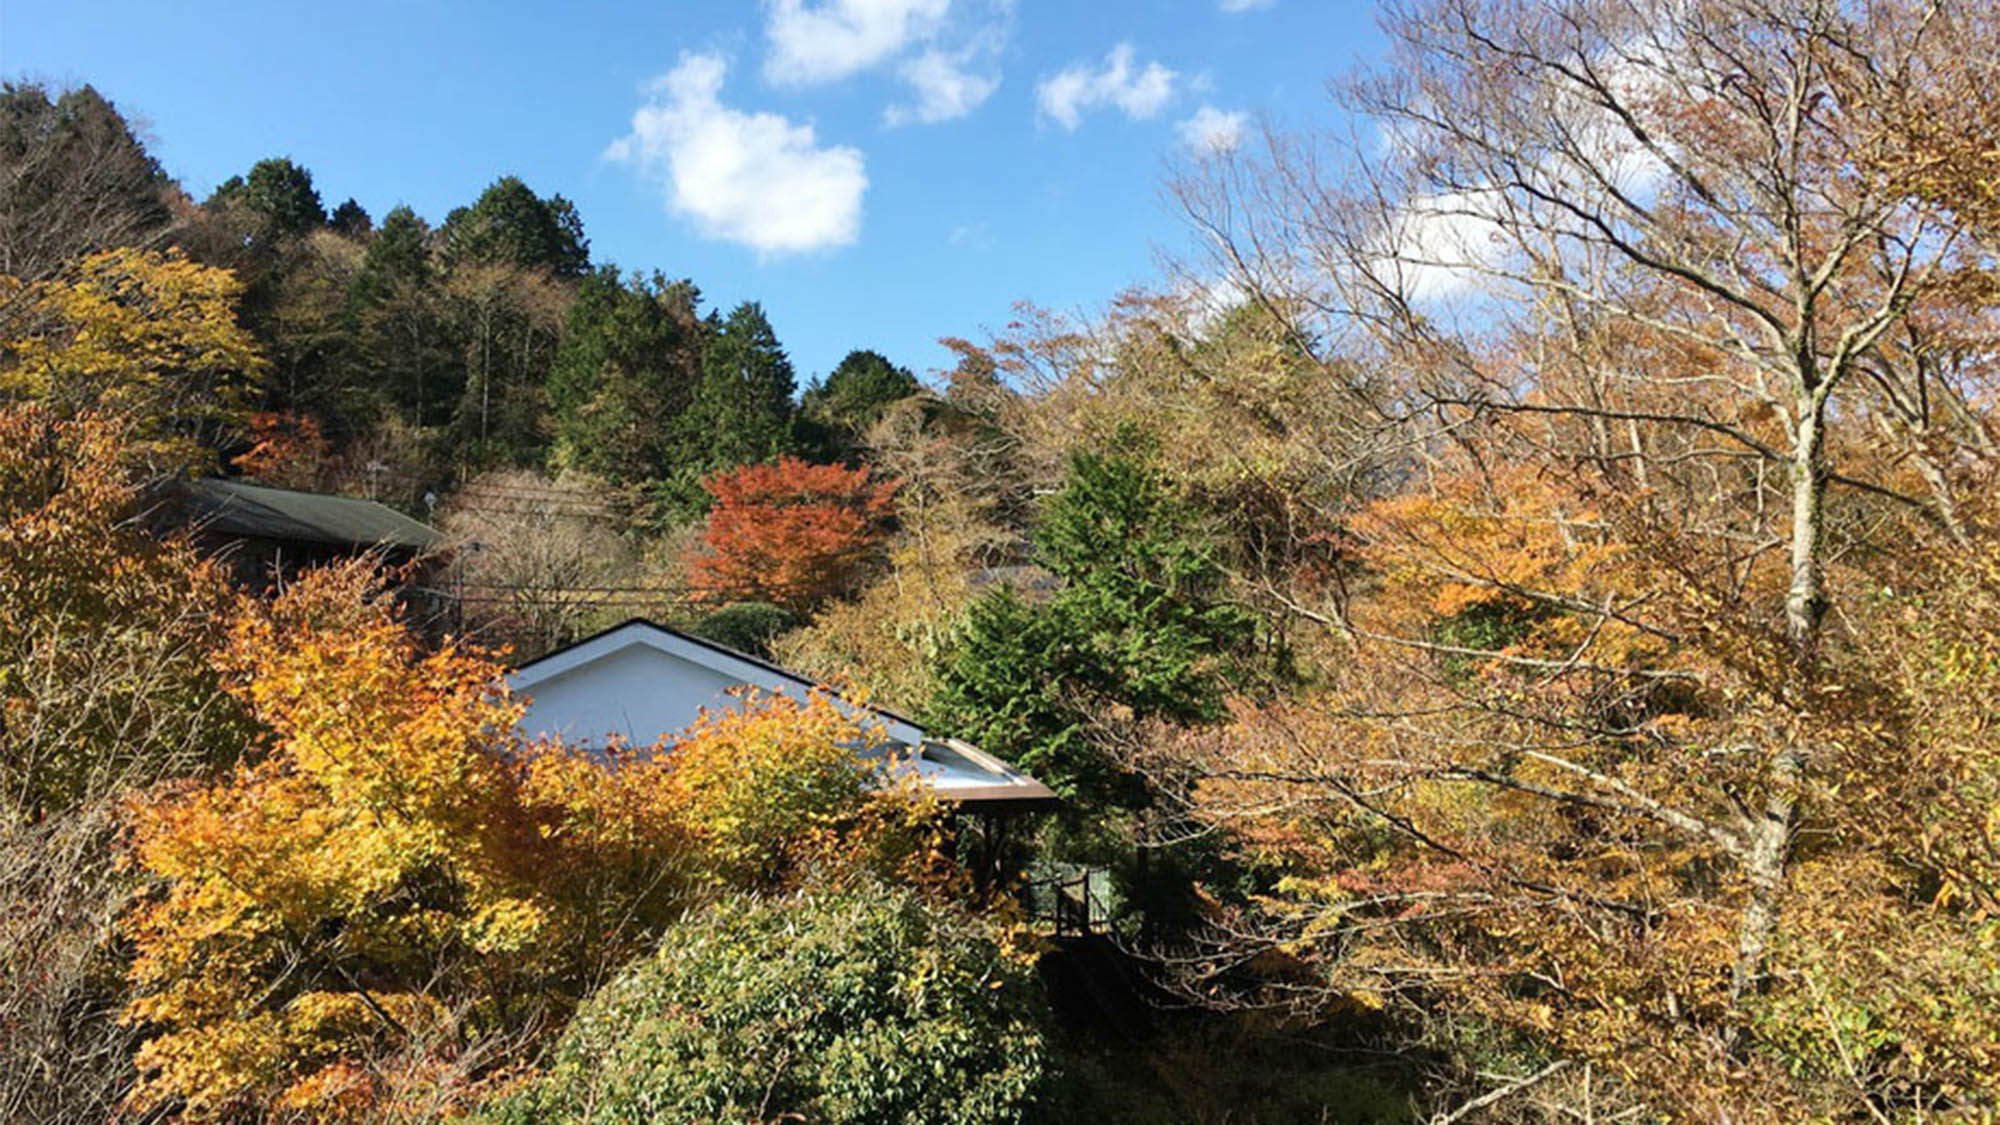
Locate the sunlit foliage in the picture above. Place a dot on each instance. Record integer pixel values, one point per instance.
(145, 337)
(791, 533)
(863, 1006)
(400, 872)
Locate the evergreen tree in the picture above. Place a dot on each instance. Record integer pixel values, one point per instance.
(1003, 686)
(628, 366)
(350, 220)
(744, 403)
(835, 413)
(278, 194)
(398, 254)
(258, 226)
(1141, 591)
(401, 344)
(742, 410)
(512, 226)
(1137, 628)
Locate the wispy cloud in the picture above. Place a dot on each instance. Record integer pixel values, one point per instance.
(756, 179)
(1211, 130)
(830, 41)
(1243, 5)
(1139, 92)
(972, 236)
(943, 86)
(944, 51)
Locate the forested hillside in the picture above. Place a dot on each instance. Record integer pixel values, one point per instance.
(1514, 620)
(476, 368)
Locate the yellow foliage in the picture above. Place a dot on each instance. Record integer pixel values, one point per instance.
(104, 632)
(142, 336)
(1503, 845)
(402, 870)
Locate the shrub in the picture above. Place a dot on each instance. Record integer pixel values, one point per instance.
(863, 1006)
(745, 626)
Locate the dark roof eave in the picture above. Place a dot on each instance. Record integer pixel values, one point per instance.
(1002, 798)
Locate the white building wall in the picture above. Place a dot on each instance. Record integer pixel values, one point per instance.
(642, 683)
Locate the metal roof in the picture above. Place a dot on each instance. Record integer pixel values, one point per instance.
(255, 511)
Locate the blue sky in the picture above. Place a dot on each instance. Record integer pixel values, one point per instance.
(878, 172)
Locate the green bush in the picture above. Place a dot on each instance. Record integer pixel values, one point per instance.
(859, 1007)
(745, 626)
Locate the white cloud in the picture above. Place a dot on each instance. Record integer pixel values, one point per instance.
(1243, 5)
(751, 178)
(937, 51)
(1078, 89)
(842, 37)
(1212, 130)
(1463, 238)
(1445, 244)
(942, 88)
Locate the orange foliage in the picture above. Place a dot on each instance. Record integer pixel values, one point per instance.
(1513, 543)
(104, 631)
(791, 532)
(287, 450)
(1518, 796)
(402, 883)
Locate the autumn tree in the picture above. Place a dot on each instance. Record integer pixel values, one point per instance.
(377, 851)
(106, 684)
(958, 516)
(507, 322)
(537, 558)
(95, 608)
(791, 533)
(308, 331)
(1658, 320)
(400, 896)
(1271, 445)
(148, 338)
(287, 450)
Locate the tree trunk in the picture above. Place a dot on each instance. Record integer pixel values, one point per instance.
(1805, 605)
(1768, 835)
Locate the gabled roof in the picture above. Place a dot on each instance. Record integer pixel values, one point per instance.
(959, 772)
(256, 511)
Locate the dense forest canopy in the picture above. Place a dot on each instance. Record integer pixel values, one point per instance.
(1515, 622)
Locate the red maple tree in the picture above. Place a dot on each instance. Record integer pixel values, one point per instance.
(791, 532)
